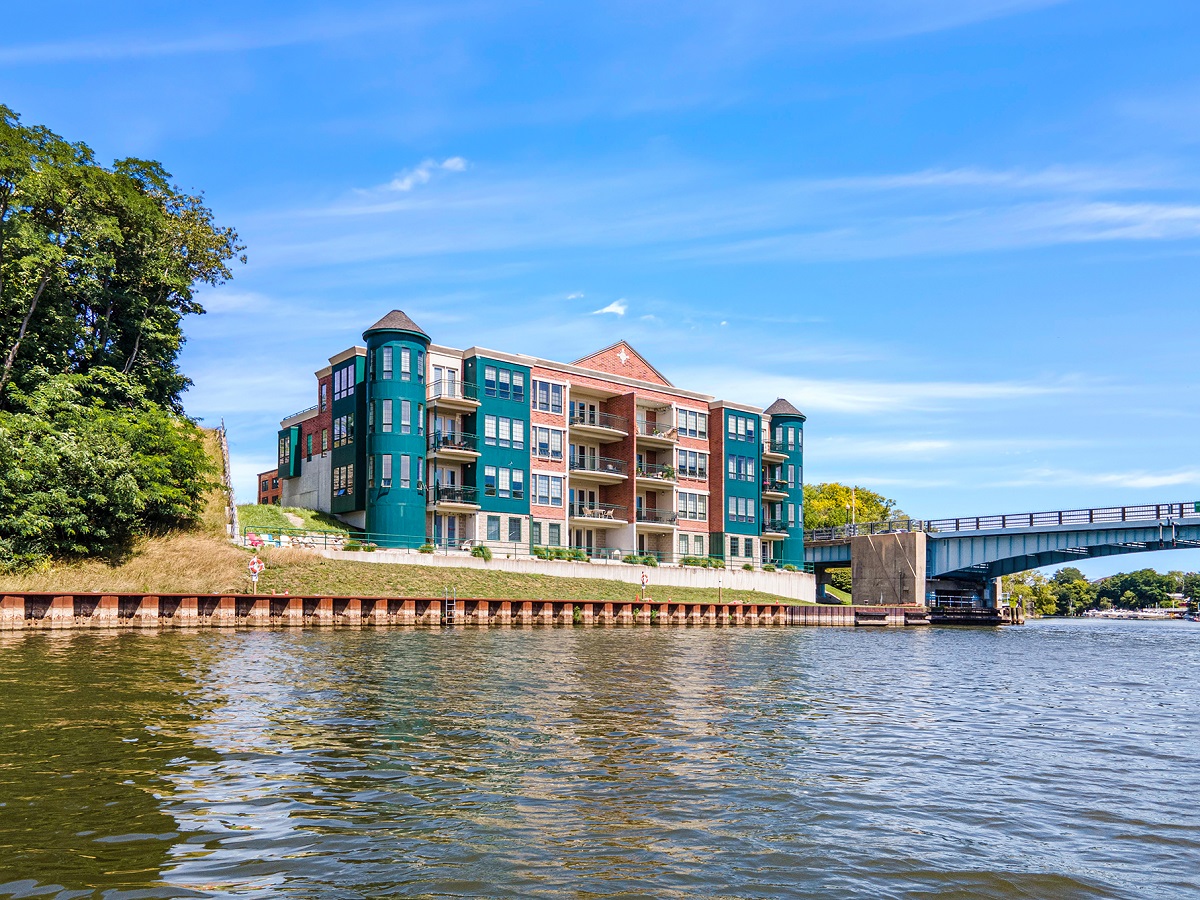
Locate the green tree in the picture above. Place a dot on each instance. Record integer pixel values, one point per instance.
(97, 265)
(830, 504)
(1032, 591)
(1132, 590)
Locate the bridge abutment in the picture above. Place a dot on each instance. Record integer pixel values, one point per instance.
(888, 569)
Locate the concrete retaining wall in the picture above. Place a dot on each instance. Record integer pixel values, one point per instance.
(793, 585)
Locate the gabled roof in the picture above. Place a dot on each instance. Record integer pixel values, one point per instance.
(621, 359)
(781, 407)
(396, 320)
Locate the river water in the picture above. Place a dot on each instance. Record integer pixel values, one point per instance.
(1058, 759)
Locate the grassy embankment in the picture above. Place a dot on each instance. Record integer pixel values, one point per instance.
(844, 596)
(202, 560)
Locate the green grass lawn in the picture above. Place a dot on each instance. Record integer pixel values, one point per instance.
(262, 517)
(844, 596)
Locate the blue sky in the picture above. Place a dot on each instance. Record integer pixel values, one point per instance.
(961, 235)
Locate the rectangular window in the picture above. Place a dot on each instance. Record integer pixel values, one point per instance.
(698, 543)
(505, 431)
(420, 365)
(547, 397)
(518, 385)
(489, 381)
(385, 416)
(493, 528)
(420, 418)
(556, 399)
(489, 430)
(518, 484)
(514, 530)
(386, 374)
(489, 481)
(556, 445)
(791, 438)
(535, 533)
(733, 427)
(732, 509)
(505, 474)
(308, 446)
(732, 466)
(741, 427)
(370, 471)
(324, 391)
(385, 470)
(750, 430)
(265, 483)
(733, 546)
(285, 451)
(791, 515)
(405, 364)
(555, 535)
(791, 479)
(324, 440)
(505, 383)
(750, 507)
(556, 492)
(406, 417)
(702, 426)
(683, 545)
(518, 434)
(405, 471)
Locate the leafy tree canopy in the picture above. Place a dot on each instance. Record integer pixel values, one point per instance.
(97, 265)
(830, 504)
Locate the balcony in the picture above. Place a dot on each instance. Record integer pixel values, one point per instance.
(774, 529)
(774, 489)
(602, 469)
(656, 476)
(598, 515)
(774, 452)
(602, 427)
(656, 434)
(457, 445)
(453, 498)
(658, 519)
(453, 395)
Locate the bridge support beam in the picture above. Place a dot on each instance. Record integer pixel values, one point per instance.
(888, 569)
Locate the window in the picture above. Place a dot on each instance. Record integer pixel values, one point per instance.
(420, 418)
(698, 543)
(505, 475)
(548, 397)
(405, 364)
(420, 365)
(308, 446)
(405, 471)
(406, 417)
(518, 434)
(385, 415)
(275, 482)
(489, 381)
(733, 546)
(555, 535)
(505, 431)
(385, 471)
(489, 430)
(791, 479)
(370, 471)
(791, 515)
(493, 528)
(343, 382)
(285, 451)
(547, 490)
(386, 374)
(518, 484)
(692, 464)
(693, 506)
(683, 545)
(518, 386)
(323, 393)
(791, 438)
(265, 483)
(324, 440)
(535, 533)
(692, 424)
(489, 481)
(343, 430)
(733, 509)
(546, 442)
(514, 530)
(505, 384)
(343, 481)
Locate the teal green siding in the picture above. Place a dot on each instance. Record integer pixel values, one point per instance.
(351, 455)
(791, 549)
(750, 489)
(396, 511)
(494, 403)
(289, 452)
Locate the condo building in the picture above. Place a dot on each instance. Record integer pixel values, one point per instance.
(417, 444)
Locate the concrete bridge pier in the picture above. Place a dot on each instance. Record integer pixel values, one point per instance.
(888, 569)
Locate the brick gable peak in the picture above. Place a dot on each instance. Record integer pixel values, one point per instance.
(621, 359)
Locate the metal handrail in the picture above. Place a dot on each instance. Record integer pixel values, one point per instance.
(597, 510)
(458, 440)
(657, 429)
(455, 494)
(661, 516)
(603, 464)
(452, 390)
(775, 484)
(597, 419)
(656, 470)
(775, 526)
(1099, 515)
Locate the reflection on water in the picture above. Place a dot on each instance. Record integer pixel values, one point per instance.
(1054, 760)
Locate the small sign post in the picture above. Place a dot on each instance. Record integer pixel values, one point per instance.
(645, 581)
(256, 566)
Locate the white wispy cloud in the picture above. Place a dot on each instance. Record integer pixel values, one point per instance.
(616, 308)
(420, 174)
(578, 295)
(1138, 478)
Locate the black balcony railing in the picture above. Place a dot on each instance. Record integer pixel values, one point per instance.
(656, 470)
(663, 430)
(601, 464)
(775, 526)
(452, 390)
(610, 511)
(657, 516)
(597, 419)
(452, 494)
(775, 484)
(453, 441)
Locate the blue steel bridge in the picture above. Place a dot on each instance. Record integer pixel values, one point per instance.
(981, 548)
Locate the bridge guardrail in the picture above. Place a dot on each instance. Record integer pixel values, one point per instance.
(1098, 515)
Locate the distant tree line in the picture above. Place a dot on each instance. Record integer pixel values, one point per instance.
(1067, 592)
(97, 271)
